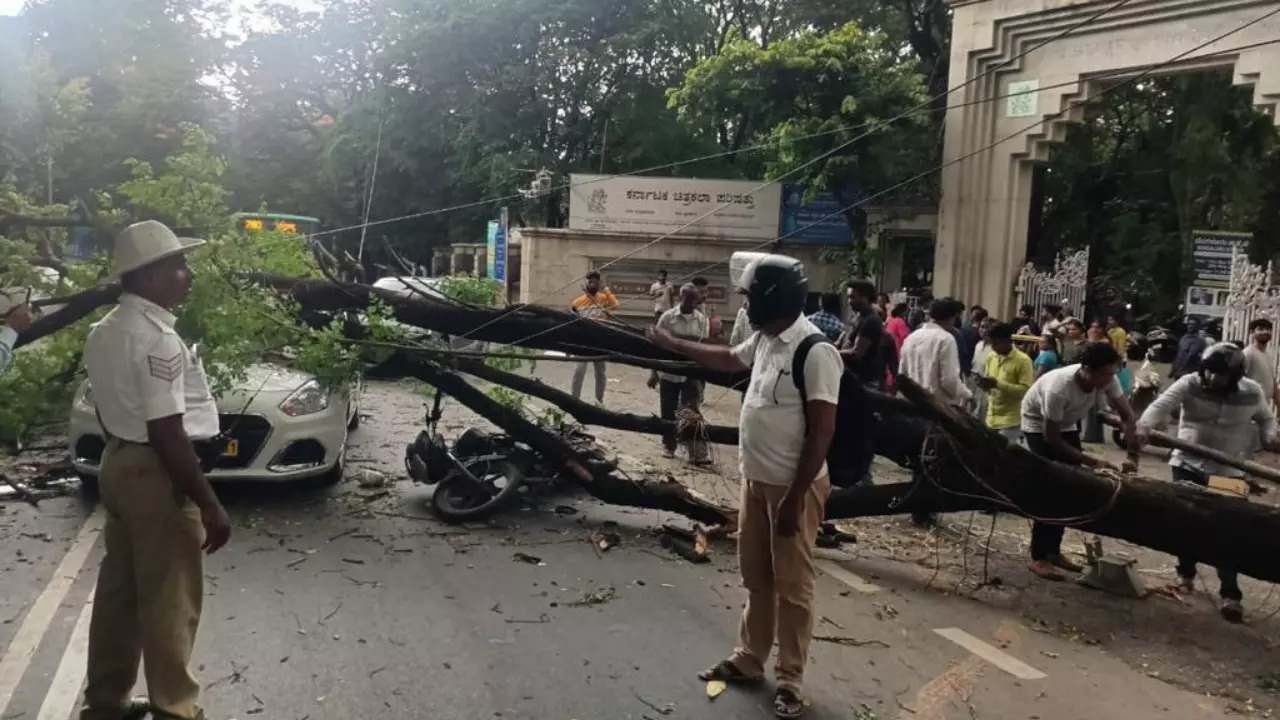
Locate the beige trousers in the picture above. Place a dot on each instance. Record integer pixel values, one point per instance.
(778, 574)
(150, 588)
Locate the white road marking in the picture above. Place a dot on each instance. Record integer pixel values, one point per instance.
(64, 691)
(34, 626)
(851, 579)
(991, 654)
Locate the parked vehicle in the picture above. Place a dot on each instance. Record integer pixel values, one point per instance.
(481, 474)
(283, 425)
(407, 286)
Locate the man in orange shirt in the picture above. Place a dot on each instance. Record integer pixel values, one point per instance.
(595, 301)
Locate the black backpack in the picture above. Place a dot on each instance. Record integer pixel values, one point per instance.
(853, 446)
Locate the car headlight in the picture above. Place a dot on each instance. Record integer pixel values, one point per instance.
(309, 398)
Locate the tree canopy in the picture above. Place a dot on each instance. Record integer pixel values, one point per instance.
(405, 108)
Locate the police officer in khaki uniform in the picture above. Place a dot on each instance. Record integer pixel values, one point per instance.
(158, 415)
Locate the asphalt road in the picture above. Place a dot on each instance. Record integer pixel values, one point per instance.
(345, 602)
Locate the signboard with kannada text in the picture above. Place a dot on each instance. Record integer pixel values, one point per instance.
(1211, 255)
(731, 209)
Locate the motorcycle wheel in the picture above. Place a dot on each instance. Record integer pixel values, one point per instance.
(457, 498)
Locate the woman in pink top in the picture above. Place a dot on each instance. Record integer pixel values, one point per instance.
(897, 325)
(899, 330)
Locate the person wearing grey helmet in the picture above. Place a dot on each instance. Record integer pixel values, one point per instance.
(1219, 407)
(786, 426)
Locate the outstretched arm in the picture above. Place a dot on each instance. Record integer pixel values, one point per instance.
(716, 357)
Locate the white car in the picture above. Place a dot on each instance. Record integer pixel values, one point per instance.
(283, 425)
(408, 286)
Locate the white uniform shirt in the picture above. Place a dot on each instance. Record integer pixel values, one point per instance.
(1056, 396)
(931, 358)
(140, 370)
(686, 326)
(772, 425)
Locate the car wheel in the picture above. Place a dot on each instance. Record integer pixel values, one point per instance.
(354, 422)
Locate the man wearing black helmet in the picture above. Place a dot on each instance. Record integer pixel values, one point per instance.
(1219, 407)
(786, 428)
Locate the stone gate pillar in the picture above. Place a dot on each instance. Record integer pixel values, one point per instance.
(992, 146)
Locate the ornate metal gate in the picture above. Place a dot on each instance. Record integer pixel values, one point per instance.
(1066, 285)
(1250, 295)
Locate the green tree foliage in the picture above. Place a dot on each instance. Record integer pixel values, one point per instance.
(1153, 163)
(810, 94)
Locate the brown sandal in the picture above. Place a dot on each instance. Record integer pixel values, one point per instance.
(788, 705)
(725, 671)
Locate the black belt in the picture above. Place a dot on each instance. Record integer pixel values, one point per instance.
(208, 451)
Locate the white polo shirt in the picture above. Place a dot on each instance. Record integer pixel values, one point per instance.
(1057, 397)
(771, 427)
(140, 370)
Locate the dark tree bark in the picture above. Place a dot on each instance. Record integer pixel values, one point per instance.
(596, 476)
(966, 466)
(1215, 529)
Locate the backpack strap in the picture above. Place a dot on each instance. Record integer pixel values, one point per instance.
(797, 369)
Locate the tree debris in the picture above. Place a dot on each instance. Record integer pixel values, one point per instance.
(849, 641)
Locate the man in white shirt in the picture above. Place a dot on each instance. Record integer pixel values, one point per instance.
(661, 292)
(1051, 413)
(17, 320)
(783, 447)
(931, 358)
(685, 322)
(154, 404)
(1218, 408)
(1258, 364)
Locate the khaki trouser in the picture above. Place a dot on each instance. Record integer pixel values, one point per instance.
(779, 574)
(150, 587)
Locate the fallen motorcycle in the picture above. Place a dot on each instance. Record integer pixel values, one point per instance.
(481, 474)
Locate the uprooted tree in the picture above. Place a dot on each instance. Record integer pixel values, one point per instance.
(961, 465)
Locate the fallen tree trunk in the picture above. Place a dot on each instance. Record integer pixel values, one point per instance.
(1175, 518)
(965, 463)
(589, 414)
(595, 475)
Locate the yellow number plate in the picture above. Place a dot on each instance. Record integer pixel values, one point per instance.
(233, 449)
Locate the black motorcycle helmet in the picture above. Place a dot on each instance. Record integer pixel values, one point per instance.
(776, 289)
(1224, 360)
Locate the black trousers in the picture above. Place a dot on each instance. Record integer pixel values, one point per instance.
(671, 397)
(1046, 539)
(1230, 586)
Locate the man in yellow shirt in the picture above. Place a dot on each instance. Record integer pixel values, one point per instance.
(1008, 376)
(594, 302)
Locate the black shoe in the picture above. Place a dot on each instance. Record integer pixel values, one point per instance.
(137, 709)
(1231, 611)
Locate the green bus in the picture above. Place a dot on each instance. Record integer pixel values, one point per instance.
(257, 222)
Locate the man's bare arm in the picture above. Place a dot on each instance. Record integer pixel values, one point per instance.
(178, 458)
(716, 357)
(1064, 451)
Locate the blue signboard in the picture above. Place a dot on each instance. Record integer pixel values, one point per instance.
(818, 222)
(497, 248)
